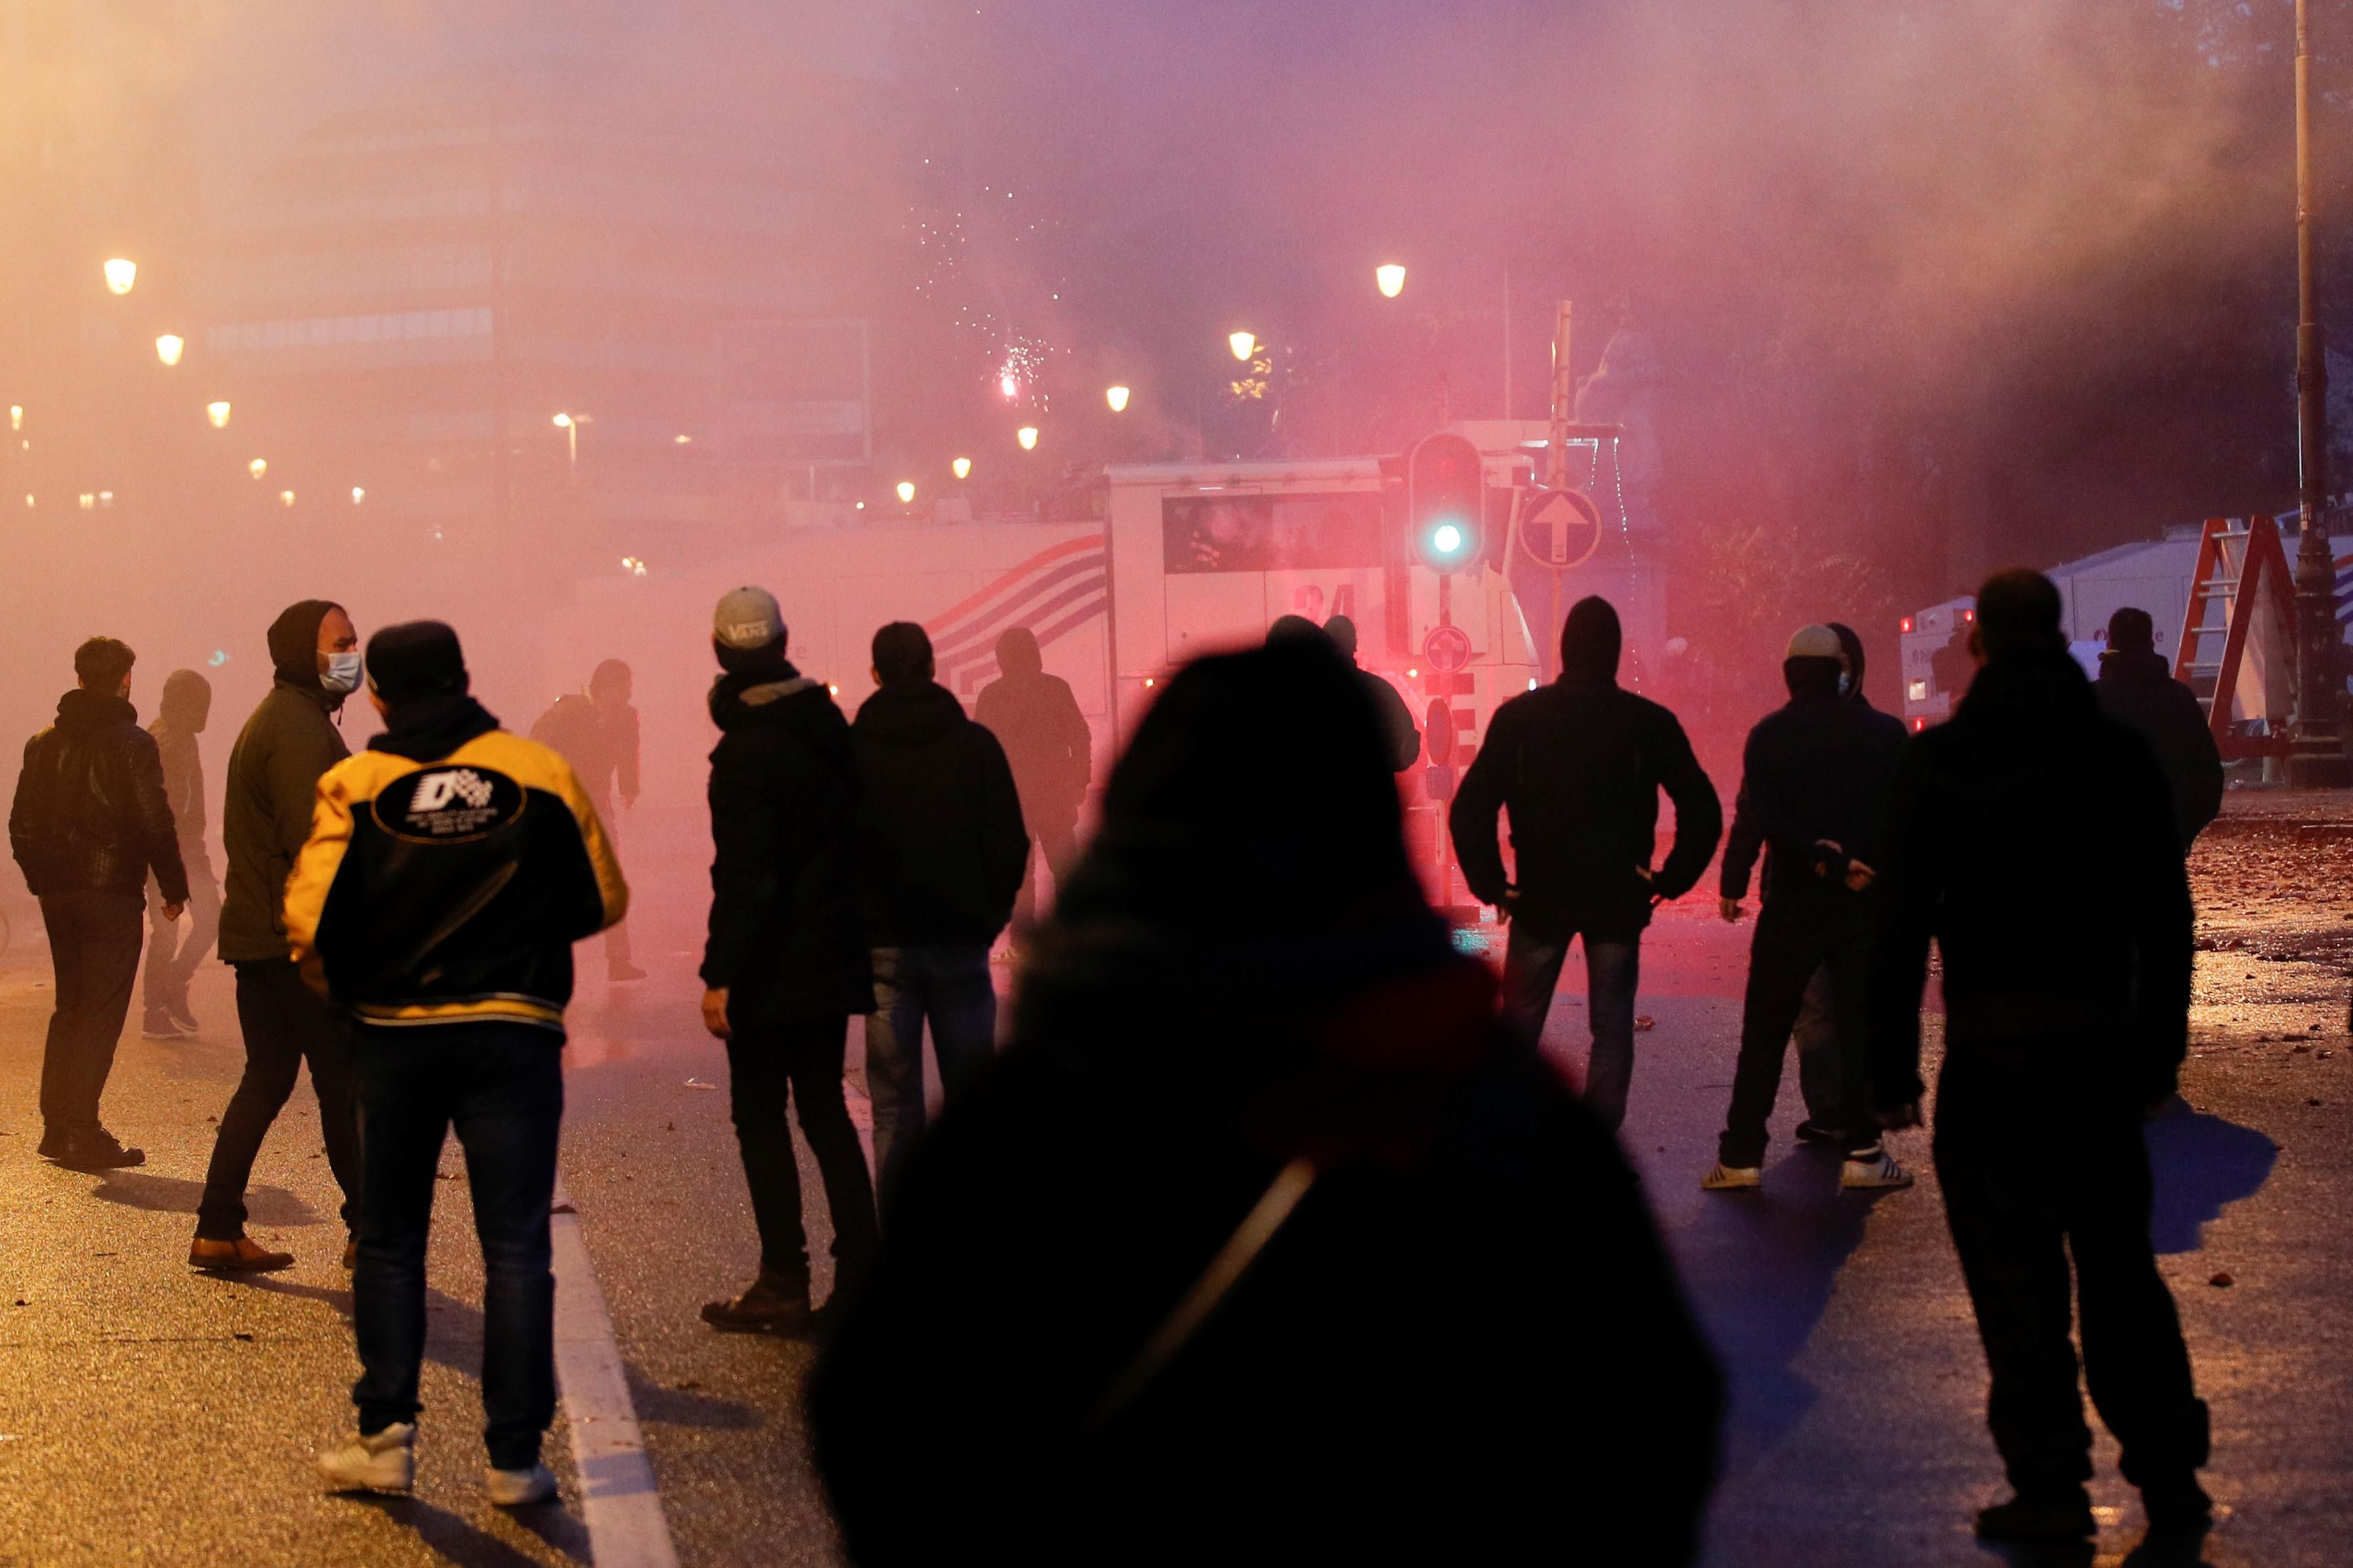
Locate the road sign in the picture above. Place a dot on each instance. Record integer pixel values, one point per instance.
(1559, 529)
(1447, 648)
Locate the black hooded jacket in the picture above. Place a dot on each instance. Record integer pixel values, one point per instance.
(1814, 773)
(274, 770)
(1328, 1408)
(944, 847)
(1037, 719)
(91, 813)
(787, 941)
(1997, 820)
(2136, 690)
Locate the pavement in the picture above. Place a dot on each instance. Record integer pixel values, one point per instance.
(149, 1415)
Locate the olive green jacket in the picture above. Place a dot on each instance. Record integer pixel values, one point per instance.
(273, 782)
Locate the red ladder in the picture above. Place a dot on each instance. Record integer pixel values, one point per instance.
(2241, 572)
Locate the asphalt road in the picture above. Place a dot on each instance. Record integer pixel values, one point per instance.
(150, 1415)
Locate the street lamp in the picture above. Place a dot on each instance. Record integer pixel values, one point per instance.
(121, 275)
(570, 425)
(1027, 437)
(2317, 758)
(286, 497)
(258, 467)
(1390, 275)
(1117, 397)
(218, 412)
(961, 467)
(358, 495)
(906, 492)
(169, 347)
(1244, 344)
(15, 417)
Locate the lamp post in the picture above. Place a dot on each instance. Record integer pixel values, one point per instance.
(120, 274)
(2317, 758)
(1390, 277)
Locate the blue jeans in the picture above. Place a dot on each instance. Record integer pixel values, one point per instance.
(1532, 973)
(500, 1084)
(950, 987)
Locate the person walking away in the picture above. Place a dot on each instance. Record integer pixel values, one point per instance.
(91, 820)
(1814, 1034)
(451, 867)
(1037, 719)
(2137, 688)
(1080, 1370)
(1579, 765)
(944, 856)
(1399, 732)
(172, 955)
(286, 747)
(787, 962)
(2058, 1033)
(597, 734)
(1813, 782)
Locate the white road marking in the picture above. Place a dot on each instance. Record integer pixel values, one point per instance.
(620, 1505)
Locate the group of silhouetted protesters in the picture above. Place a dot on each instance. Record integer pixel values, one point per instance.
(1264, 1236)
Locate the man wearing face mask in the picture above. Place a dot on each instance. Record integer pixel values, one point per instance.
(273, 779)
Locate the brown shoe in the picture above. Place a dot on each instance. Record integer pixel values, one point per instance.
(771, 1306)
(351, 1255)
(243, 1255)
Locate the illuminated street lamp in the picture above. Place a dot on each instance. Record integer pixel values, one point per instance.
(1117, 397)
(15, 417)
(169, 347)
(258, 467)
(121, 275)
(1244, 344)
(358, 495)
(906, 492)
(286, 497)
(1027, 437)
(961, 467)
(218, 412)
(570, 425)
(1390, 275)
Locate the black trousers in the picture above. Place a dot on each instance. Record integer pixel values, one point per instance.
(286, 1024)
(1054, 840)
(2017, 1215)
(799, 1060)
(94, 940)
(1796, 939)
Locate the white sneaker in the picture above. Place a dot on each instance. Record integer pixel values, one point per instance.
(520, 1488)
(1875, 1170)
(385, 1462)
(1724, 1178)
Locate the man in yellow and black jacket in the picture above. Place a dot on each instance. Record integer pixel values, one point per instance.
(451, 868)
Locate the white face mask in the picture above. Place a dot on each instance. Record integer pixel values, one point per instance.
(1846, 683)
(342, 675)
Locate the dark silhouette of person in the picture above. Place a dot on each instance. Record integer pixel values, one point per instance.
(1579, 765)
(2059, 1034)
(1346, 1273)
(173, 954)
(1397, 728)
(1815, 1034)
(597, 734)
(2136, 690)
(1037, 719)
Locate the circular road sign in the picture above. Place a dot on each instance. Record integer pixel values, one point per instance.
(1560, 529)
(1445, 648)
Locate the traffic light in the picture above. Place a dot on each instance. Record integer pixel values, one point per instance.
(1445, 503)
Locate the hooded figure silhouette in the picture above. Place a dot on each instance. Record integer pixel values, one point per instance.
(1037, 719)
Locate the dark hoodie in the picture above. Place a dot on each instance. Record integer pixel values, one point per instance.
(186, 705)
(1814, 774)
(1037, 719)
(944, 847)
(1419, 1331)
(786, 942)
(2136, 690)
(91, 813)
(2000, 823)
(1579, 765)
(273, 779)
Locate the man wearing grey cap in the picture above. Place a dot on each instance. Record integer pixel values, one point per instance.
(787, 962)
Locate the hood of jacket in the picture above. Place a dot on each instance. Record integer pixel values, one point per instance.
(79, 712)
(2134, 666)
(186, 703)
(751, 694)
(1017, 652)
(429, 728)
(1590, 642)
(915, 714)
(1852, 642)
(2042, 693)
(294, 649)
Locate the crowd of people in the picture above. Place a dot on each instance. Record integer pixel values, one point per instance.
(1127, 1300)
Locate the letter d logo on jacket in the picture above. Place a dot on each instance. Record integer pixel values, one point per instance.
(440, 805)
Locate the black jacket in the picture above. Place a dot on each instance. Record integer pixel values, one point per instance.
(2034, 840)
(286, 747)
(1815, 770)
(1399, 732)
(2136, 690)
(91, 813)
(787, 941)
(945, 848)
(1579, 767)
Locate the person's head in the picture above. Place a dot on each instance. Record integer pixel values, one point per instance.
(1295, 629)
(104, 665)
(2018, 613)
(2132, 631)
(1017, 652)
(1343, 632)
(1851, 643)
(188, 700)
(1590, 640)
(412, 662)
(611, 685)
(747, 631)
(1813, 662)
(903, 655)
(314, 645)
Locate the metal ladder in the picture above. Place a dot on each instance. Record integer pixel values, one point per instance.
(2238, 567)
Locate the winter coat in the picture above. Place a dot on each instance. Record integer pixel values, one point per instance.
(1815, 770)
(1579, 765)
(188, 701)
(274, 769)
(787, 941)
(1047, 742)
(600, 743)
(2032, 839)
(944, 850)
(91, 813)
(1399, 732)
(2136, 690)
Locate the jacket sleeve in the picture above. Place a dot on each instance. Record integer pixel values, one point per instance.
(151, 811)
(1398, 727)
(1471, 821)
(317, 864)
(1699, 816)
(1079, 738)
(629, 756)
(2201, 768)
(1911, 883)
(2163, 925)
(1005, 841)
(25, 827)
(1741, 845)
(612, 890)
(746, 845)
